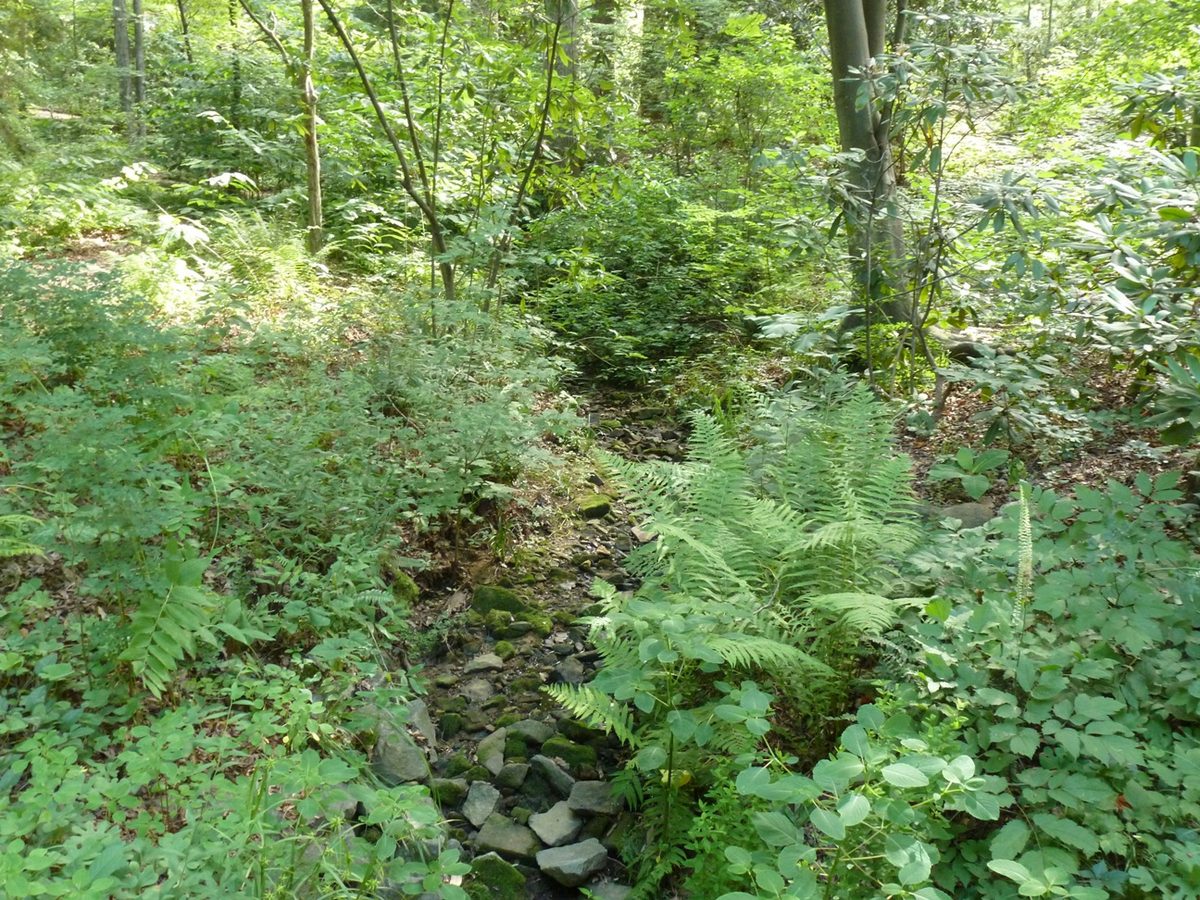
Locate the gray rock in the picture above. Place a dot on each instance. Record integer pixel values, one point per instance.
(478, 691)
(480, 803)
(448, 792)
(507, 837)
(490, 751)
(512, 776)
(570, 671)
(573, 864)
(972, 515)
(557, 826)
(559, 780)
(485, 662)
(397, 758)
(419, 720)
(532, 731)
(339, 802)
(595, 798)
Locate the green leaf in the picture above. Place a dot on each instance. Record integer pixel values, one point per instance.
(976, 485)
(836, 774)
(854, 809)
(1026, 742)
(1069, 832)
(55, 671)
(776, 829)
(828, 822)
(1088, 708)
(911, 857)
(1010, 869)
(982, 806)
(959, 770)
(1010, 840)
(903, 775)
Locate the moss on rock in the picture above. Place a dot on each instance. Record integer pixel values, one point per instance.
(490, 597)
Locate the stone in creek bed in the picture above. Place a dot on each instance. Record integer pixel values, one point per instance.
(573, 864)
(507, 837)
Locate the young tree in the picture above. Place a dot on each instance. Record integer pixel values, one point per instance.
(121, 49)
(857, 35)
(300, 70)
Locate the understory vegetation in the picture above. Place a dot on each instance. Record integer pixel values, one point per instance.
(306, 310)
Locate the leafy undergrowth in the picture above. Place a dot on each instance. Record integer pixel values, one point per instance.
(1026, 720)
(207, 520)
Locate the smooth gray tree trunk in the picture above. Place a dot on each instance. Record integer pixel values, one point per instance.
(121, 50)
(857, 34)
(139, 67)
(312, 149)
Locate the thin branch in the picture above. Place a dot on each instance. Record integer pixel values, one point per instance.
(407, 105)
(270, 35)
(506, 241)
(436, 235)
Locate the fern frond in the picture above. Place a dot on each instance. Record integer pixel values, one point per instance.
(595, 708)
(164, 628)
(13, 544)
(746, 651)
(860, 612)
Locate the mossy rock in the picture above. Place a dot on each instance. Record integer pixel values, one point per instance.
(491, 597)
(404, 589)
(563, 617)
(525, 683)
(515, 746)
(448, 792)
(492, 878)
(580, 732)
(458, 764)
(505, 650)
(451, 724)
(594, 506)
(574, 755)
(477, 773)
(543, 625)
(508, 719)
(521, 814)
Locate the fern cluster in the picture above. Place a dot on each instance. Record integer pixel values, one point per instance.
(771, 561)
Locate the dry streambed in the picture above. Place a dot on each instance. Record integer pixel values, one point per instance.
(522, 786)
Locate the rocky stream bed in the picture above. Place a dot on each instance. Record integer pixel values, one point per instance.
(522, 786)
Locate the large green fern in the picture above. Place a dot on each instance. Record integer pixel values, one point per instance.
(771, 560)
(165, 627)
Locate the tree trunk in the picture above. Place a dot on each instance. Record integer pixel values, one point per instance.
(139, 67)
(312, 149)
(857, 30)
(121, 48)
(185, 30)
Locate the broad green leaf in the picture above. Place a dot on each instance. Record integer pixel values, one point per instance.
(55, 671)
(903, 775)
(1069, 832)
(959, 770)
(828, 822)
(854, 809)
(1010, 869)
(776, 829)
(1010, 840)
